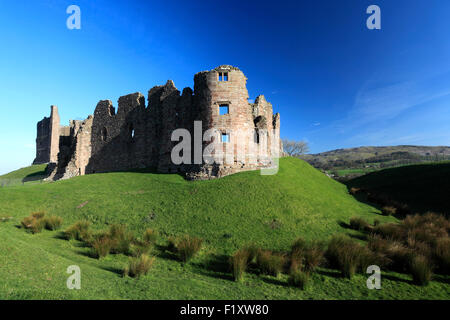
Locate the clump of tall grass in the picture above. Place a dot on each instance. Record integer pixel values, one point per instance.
(150, 236)
(101, 246)
(53, 223)
(33, 224)
(306, 256)
(347, 255)
(298, 278)
(442, 255)
(270, 263)
(139, 266)
(239, 262)
(359, 224)
(120, 238)
(78, 231)
(389, 210)
(185, 247)
(421, 270)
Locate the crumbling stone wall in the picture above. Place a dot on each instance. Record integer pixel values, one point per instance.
(139, 136)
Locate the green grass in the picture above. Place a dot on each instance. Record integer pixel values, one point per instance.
(227, 213)
(424, 187)
(29, 175)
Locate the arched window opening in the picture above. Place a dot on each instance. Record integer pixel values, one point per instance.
(104, 134)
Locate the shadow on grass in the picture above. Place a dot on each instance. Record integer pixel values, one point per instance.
(217, 266)
(395, 278)
(273, 280)
(113, 270)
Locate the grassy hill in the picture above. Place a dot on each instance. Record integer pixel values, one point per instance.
(270, 211)
(31, 174)
(424, 187)
(357, 161)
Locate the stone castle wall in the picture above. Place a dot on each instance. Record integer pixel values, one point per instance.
(139, 135)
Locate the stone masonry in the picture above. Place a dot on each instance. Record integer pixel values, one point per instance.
(139, 135)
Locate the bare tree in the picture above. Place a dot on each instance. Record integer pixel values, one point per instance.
(295, 148)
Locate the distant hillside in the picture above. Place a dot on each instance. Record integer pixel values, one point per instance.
(357, 161)
(423, 187)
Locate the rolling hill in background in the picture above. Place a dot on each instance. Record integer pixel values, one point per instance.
(358, 161)
(423, 187)
(227, 213)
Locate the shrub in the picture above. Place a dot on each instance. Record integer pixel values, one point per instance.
(421, 270)
(79, 231)
(53, 223)
(389, 210)
(187, 247)
(101, 246)
(358, 223)
(270, 263)
(298, 278)
(150, 236)
(139, 266)
(239, 262)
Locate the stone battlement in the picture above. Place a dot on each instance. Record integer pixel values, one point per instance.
(139, 135)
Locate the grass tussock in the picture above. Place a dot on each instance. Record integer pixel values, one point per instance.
(421, 270)
(424, 235)
(239, 262)
(78, 231)
(357, 223)
(150, 236)
(185, 247)
(306, 256)
(348, 256)
(270, 263)
(298, 279)
(37, 221)
(139, 266)
(101, 246)
(120, 239)
(389, 210)
(53, 223)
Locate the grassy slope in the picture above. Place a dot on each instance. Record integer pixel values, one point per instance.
(31, 174)
(227, 213)
(425, 187)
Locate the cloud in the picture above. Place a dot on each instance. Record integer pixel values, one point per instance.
(375, 103)
(316, 124)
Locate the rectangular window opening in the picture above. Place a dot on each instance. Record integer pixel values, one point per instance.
(225, 138)
(224, 109)
(223, 76)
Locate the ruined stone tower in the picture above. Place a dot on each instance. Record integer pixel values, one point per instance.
(140, 135)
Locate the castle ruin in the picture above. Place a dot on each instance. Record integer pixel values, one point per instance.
(140, 136)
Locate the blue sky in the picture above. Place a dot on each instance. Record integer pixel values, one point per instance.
(335, 83)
